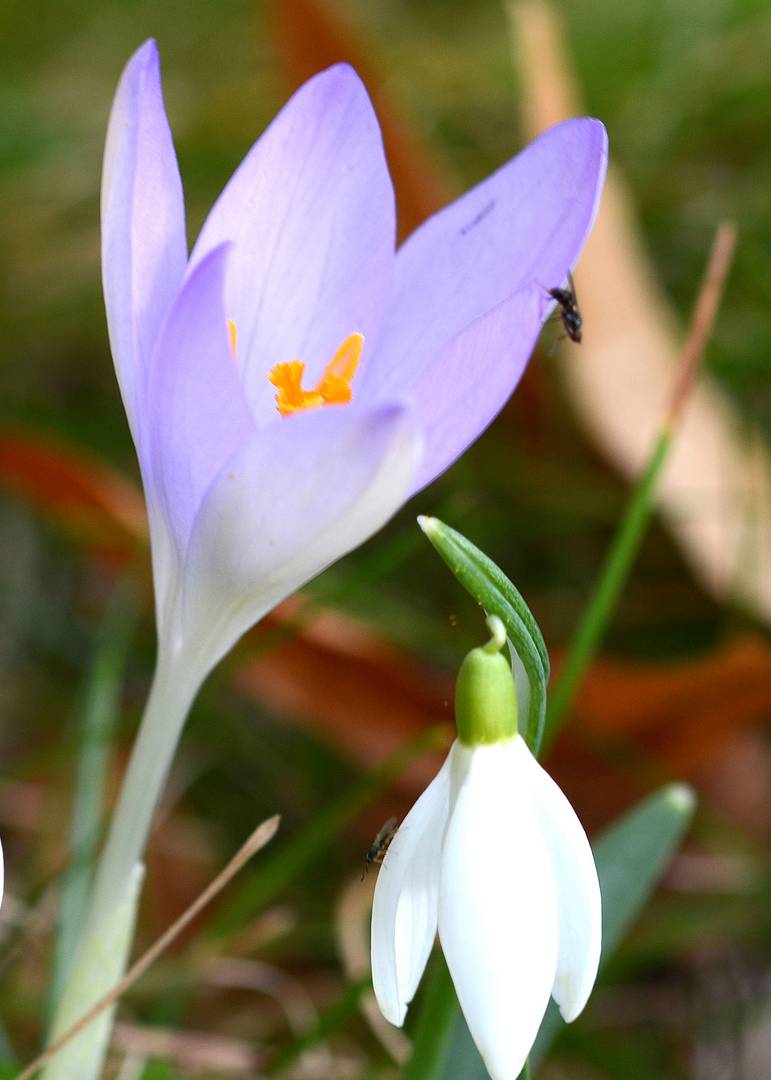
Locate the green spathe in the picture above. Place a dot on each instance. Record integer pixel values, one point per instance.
(485, 694)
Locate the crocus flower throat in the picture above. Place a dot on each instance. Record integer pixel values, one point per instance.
(333, 388)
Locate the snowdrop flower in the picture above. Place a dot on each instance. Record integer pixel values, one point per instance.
(293, 381)
(493, 856)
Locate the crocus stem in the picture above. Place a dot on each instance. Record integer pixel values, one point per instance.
(602, 604)
(100, 961)
(175, 684)
(104, 947)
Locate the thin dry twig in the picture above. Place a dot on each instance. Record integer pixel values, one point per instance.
(261, 836)
(703, 317)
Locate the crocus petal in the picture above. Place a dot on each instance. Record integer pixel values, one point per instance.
(311, 212)
(298, 496)
(578, 890)
(497, 906)
(196, 411)
(463, 388)
(404, 910)
(143, 224)
(523, 225)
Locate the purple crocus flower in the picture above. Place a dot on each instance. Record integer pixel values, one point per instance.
(292, 382)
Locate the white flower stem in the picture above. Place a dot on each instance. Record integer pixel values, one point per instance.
(175, 684)
(99, 964)
(105, 945)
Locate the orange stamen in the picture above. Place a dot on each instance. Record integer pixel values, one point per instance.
(233, 335)
(333, 388)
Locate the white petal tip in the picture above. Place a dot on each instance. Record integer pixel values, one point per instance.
(503, 1070)
(571, 993)
(394, 1015)
(681, 797)
(572, 1013)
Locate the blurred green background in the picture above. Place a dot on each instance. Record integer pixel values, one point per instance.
(684, 91)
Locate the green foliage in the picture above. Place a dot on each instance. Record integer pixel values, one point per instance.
(97, 721)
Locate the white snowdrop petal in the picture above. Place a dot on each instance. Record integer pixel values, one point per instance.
(404, 910)
(497, 906)
(578, 891)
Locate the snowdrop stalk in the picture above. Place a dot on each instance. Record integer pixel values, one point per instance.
(292, 381)
(494, 858)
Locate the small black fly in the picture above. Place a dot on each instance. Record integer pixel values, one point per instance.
(376, 851)
(572, 321)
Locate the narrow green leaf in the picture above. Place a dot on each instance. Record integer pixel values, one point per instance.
(96, 722)
(599, 611)
(431, 1048)
(490, 587)
(631, 855)
(463, 1061)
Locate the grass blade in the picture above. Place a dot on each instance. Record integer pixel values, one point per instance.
(96, 723)
(432, 1048)
(623, 551)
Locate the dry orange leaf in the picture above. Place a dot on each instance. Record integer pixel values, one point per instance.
(93, 503)
(685, 713)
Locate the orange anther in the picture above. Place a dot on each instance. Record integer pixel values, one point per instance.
(233, 335)
(333, 388)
